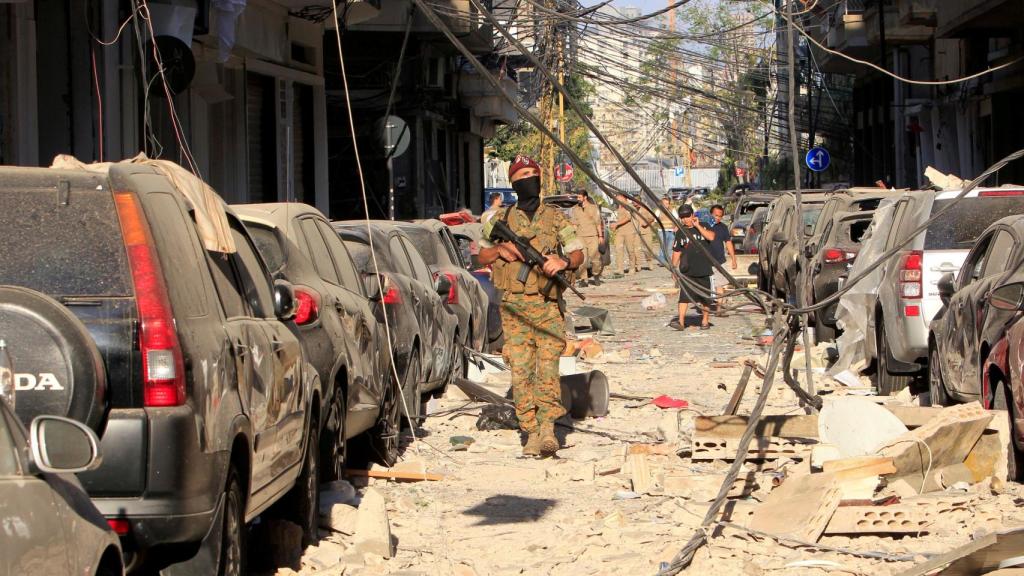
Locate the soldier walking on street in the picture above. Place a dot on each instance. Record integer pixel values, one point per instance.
(590, 228)
(530, 311)
(626, 239)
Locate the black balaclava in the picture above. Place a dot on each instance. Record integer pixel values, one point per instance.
(528, 190)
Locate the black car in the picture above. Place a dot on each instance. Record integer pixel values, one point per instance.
(830, 265)
(467, 300)
(336, 323)
(209, 412)
(422, 331)
(968, 325)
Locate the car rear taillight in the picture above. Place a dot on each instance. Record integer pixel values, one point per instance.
(392, 295)
(453, 287)
(307, 306)
(910, 281)
(120, 526)
(163, 369)
(1000, 193)
(837, 256)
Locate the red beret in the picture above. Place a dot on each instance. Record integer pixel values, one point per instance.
(522, 161)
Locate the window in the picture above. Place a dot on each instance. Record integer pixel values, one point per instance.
(972, 266)
(998, 253)
(342, 261)
(318, 251)
(268, 245)
(419, 266)
(227, 285)
(398, 256)
(253, 278)
(894, 230)
(180, 254)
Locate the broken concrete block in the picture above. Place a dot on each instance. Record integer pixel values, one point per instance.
(704, 487)
(709, 448)
(669, 426)
(800, 508)
(640, 473)
(338, 517)
(824, 453)
(337, 492)
(373, 531)
(945, 439)
(324, 555)
(857, 426)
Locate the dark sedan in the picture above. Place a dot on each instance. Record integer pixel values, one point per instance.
(422, 331)
(974, 315)
(830, 265)
(467, 300)
(341, 335)
(1003, 371)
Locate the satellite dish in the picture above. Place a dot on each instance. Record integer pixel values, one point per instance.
(394, 135)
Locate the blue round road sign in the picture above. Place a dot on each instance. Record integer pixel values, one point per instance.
(817, 159)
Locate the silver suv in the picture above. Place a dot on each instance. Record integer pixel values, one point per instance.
(908, 296)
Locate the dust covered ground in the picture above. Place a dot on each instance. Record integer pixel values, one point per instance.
(495, 512)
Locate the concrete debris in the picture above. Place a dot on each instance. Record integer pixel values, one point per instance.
(945, 439)
(857, 426)
(338, 517)
(373, 531)
(655, 301)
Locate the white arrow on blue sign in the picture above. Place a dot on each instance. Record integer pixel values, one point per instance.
(679, 170)
(817, 159)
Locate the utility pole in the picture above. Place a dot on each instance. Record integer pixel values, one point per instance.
(561, 82)
(883, 62)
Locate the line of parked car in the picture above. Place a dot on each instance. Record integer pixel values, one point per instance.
(944, 314)
(223, 360)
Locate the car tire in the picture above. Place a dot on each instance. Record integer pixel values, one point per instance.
(380, 443)
(937, 395)
(413, 405)
(1002, 399)
(333, 448)
(303, 501)
(233, 550)
(888, 383)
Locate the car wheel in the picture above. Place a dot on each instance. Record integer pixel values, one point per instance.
(888, 383)
(382, 439)
(304, 499)
(413, 404)
(936, 387)
(233, 552)
(332, 444)
(458, 363)
(823, 332)
(1003, 400)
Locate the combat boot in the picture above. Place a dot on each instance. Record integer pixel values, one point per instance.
(548, 441)
(533, 445)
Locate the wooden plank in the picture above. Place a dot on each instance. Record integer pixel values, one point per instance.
(741, 389)
(800, 426)
(866, 465)
(800, 508)
(709, 448)
(640, 473)
(395, 474)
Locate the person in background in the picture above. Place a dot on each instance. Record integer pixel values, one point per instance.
(666, 231)
(644, 220)
(531, 317)
(590, 230)
(720, 245)
(494, 204)
(695, 266)
(626, 238)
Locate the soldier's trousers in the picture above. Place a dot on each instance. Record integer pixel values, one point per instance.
(627, 243)
(534, 339)
(592, 244)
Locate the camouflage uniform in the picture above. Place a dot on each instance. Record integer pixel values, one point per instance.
(587, 219)
(532, 321)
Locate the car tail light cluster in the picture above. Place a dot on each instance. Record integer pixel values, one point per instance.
(120, 526)
(910, 281)
(307, 306)
(163, 369)
(392, 295)
(837, 256)
(453, 287)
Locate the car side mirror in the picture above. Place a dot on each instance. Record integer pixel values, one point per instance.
(809, 251)
(372, 287)
(284, 300)
(1009, 297)
(779, 236)
(808, 229)
(945, 286)
(63, 446)
(754, 269)
(442, 285)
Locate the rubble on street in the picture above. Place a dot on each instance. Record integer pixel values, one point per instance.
(870, 485)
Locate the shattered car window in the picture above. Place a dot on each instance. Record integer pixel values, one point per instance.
(961, 226)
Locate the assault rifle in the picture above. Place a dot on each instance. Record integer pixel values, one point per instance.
(531, 257)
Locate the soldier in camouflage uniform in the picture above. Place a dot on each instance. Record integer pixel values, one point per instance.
(531, 317)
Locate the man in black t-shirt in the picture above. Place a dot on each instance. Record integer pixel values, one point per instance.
(720, 244)
(695, 266)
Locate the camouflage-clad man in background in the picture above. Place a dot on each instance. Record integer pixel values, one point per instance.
(590, 229)
(530, 312)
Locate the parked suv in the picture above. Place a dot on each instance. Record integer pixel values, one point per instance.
(908, 296)
(210, 410)
(776, 251)
(830, 266)
(336, 323)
